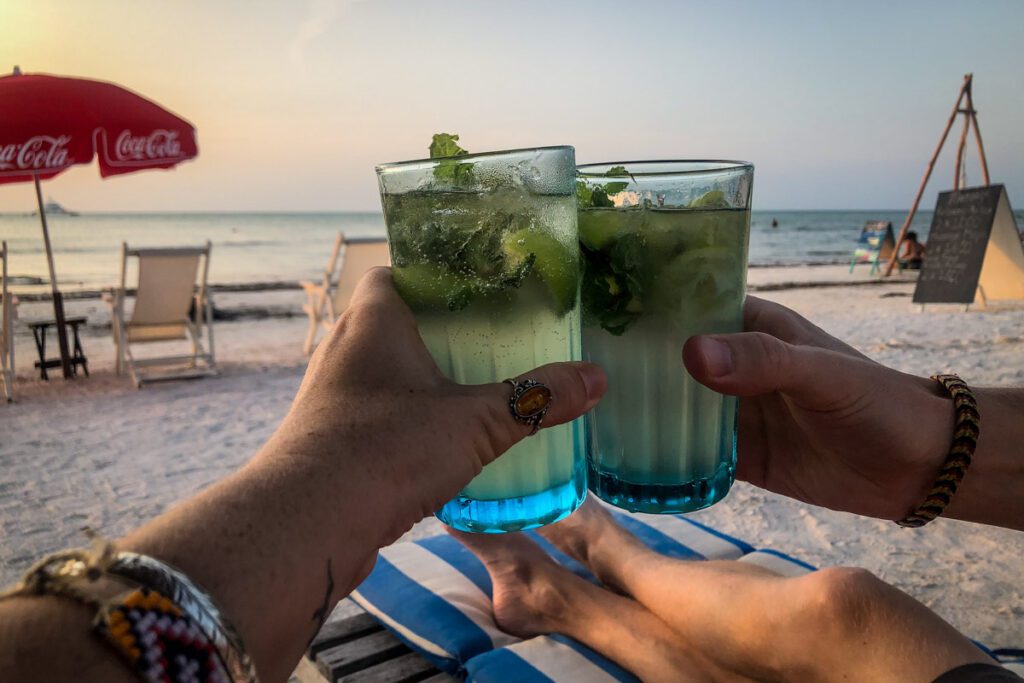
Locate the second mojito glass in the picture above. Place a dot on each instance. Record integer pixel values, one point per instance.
(664, 247)
(484, 251)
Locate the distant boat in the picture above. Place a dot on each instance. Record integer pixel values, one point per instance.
(52, 208)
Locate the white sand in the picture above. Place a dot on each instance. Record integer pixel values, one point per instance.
(96, 452)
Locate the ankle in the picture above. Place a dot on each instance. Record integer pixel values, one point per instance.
(610, 556)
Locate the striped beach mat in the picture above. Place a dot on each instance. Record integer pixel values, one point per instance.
(435, 595)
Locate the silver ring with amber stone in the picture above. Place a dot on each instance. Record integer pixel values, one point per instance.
(529, 402)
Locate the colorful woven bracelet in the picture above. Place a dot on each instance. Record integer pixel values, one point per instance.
(159, 641)
(161, 623)
(965, 440)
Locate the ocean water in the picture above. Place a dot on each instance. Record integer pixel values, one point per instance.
(284, 247)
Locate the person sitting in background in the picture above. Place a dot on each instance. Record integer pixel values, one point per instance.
(377, 439)
(913, 252)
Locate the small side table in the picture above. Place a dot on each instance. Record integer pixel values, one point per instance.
(40, 328)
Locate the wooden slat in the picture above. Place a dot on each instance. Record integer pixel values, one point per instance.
(357, 649)
(358, 654)
(167, 251)
(338, 631)
(407, 668)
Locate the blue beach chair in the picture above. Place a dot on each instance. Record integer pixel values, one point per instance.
(875, 245)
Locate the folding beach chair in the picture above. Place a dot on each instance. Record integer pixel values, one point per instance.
(875, 245)
(7, 312)
(326, 300)
(171, 303)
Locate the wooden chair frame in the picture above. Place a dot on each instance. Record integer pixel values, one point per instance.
(7, 312)
(200, 362)
(321, 306)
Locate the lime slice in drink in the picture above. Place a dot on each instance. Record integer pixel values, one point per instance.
(429, 287)
(554, 263)
(696, 278)
(714, 199)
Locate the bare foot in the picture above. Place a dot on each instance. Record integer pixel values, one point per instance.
(532, 594)
(592, 536)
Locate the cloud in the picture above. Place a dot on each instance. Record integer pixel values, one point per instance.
(320, 14)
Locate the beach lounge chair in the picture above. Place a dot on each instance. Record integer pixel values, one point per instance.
(433, 597)
(171, 303)
(875, 245)
(6, 328)
(325, 300)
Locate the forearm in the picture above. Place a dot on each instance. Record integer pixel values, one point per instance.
(265, 543)
(270, 546)
(48, 638)
(992, 491)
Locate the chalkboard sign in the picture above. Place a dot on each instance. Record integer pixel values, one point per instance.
(956, 245)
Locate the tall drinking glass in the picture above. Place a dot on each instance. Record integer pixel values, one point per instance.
(664, 248)
(484, 251)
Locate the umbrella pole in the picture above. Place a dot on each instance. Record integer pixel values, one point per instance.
(58, 298)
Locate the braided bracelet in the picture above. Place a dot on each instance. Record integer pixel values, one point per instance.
(965, 440)
(164, 626)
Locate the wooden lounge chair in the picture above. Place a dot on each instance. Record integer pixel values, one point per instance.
(6, 328)
(358, 648)
(326, 300)
(171, 303)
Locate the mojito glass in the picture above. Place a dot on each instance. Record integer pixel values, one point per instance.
(664, 250)
(484, 250)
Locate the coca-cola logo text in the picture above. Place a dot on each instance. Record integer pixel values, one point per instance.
(160, 144)
(42, 152)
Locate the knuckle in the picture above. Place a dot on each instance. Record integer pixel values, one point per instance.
(378, 275)
(774, 353)
(499, 429)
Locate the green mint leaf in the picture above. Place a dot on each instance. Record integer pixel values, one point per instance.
(599, 197)
(610, 293)
(445, 145)
(584, 195)
(588, 195)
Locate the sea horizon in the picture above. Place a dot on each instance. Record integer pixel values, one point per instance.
(287, 246)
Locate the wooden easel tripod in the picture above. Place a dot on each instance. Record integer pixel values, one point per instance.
(970, 120)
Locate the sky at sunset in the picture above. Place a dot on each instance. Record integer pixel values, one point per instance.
(839, 105)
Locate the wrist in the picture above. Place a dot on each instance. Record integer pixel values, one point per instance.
(990, 492)
(350, 482)
(931, 419)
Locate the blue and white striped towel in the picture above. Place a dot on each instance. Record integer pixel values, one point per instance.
(435, 595)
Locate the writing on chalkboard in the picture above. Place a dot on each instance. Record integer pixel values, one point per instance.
(962, 246)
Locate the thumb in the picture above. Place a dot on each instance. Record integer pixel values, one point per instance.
(755, 363)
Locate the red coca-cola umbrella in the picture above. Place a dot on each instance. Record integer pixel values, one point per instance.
(51, 123)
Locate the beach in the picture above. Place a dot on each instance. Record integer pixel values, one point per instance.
(95, 452)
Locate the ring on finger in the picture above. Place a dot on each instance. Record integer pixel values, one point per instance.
(529, 402)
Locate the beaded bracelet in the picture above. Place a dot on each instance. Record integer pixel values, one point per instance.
(153, 615)
(965, 440)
